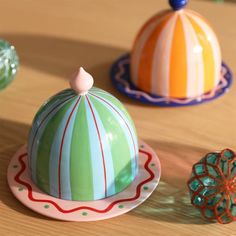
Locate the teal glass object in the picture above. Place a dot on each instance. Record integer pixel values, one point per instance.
(9, 62)
(212, 186)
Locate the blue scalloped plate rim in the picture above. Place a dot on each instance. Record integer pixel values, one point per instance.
(120, 76)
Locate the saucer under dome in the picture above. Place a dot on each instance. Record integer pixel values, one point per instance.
(176, 54)
(83, 145)
(82, 161)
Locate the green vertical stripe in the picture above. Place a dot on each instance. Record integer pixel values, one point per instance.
(44, 148)
(61, 96)
(118, 144)
(80, 163)
(117, 104)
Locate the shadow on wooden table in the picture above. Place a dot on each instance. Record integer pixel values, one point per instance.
(171, 202)
(62, 56)
(12, 136)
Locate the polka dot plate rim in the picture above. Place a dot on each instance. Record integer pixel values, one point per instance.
(32, 197)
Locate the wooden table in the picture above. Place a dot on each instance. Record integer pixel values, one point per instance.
(53, 38)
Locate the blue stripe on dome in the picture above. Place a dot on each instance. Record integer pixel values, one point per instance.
(128, 131)
(41, 118)
(33, 151)
(110, 175)
(99, 92)
(54, 158)
(65, 172)
(97, 166)
(53, 101)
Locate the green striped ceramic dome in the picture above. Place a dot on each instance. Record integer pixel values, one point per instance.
(83, 145)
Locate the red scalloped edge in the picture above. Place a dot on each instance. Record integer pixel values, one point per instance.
(107, 209)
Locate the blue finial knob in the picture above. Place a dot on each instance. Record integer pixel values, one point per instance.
(178, 4)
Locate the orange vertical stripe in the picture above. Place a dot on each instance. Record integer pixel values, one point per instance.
(196, 14)
(146, 60)
(208, 57)
(150, 21)
(178, 63)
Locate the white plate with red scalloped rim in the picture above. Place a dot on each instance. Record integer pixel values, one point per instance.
(31, 196)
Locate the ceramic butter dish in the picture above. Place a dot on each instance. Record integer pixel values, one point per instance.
(83, 160)
(175, 60)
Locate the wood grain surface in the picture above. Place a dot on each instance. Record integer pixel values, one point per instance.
(53, 38)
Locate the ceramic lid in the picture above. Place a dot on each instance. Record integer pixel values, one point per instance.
(82, 144)
(176, 54)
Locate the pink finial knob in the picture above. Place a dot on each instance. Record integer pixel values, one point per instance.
(81, 82)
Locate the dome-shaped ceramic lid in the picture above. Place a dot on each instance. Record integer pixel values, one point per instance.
(176, 54)
(82, 144)
(82, 161)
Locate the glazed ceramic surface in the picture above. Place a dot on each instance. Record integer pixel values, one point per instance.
(176, 54)
(121, 79)
(83, 147)
(178, 4)
(9, 62)
(136, 193)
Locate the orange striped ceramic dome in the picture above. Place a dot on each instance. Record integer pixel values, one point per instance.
(176, 54)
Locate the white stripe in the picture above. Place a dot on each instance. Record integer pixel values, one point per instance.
(161, 59)
(195, 68)
(199, 61)
(141, 41)
(214, 45)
